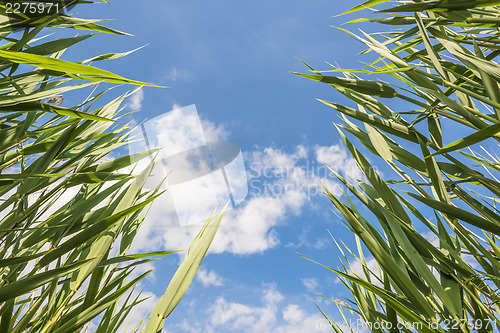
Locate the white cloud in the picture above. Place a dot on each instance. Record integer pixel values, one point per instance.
(337, 158)
(431, 238)
(305, 239)
(471, 260)
(272, 315)
(311, 284)
(371, 264)
(271, 161)
(333, 156)
(135, 101)
(214, 133)
(12, 169)
(244, 318)
(174, 131)
(209, 278)
(250, 227)
(184, 157)
(244, 230)
(293, 313)
(272, 295)
(178, 75)
(281, 185)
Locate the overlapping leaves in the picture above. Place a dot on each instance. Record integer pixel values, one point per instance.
(65, 200)
(433, 232)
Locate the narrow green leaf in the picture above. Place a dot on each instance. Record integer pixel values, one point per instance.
(24, 285)
(459, 213)
(90, 232)
(64, 66)
(130, 257)
(470, 140)
(373, 88)
(364, 5)
(184, 275)
(79, 319)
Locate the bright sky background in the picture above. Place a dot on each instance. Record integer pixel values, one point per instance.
(233, 60)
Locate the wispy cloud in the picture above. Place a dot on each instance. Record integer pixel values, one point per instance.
(135, 101)
(274, 314)
(337, 158)
(213, 132)
(175, 75)
(209, 278)
(311, 284)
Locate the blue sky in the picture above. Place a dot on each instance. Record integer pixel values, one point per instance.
(233, 61)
